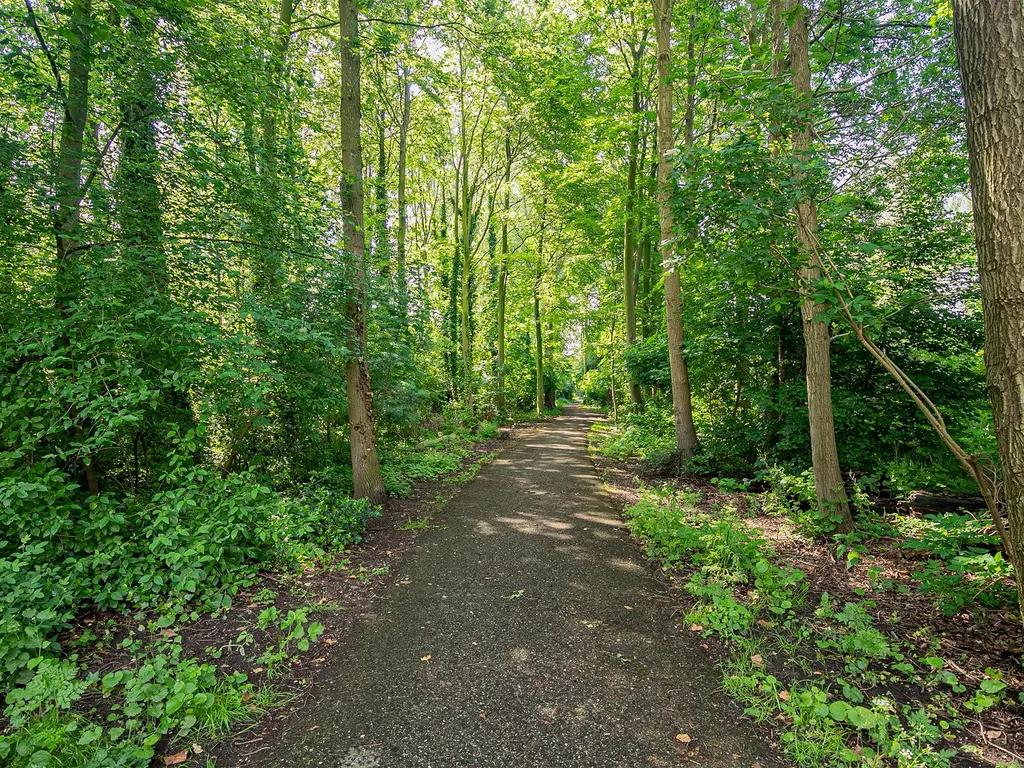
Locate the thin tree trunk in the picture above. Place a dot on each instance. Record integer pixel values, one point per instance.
(538, 333)
(828, 479)
(465, 202)
(503, 278)
(682, 406)
(990, 50)
(366, 477)
(380, 241)
(646, 269)
(611, 358)
(268, 273)
(536, 317)
(629, 251)
(401, 278)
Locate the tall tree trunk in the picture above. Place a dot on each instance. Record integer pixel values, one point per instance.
(629, 251)
(828, 480)
(268, 273)
(366, 477)
(67, 216)
(539, 335)
(139, 197)
(538, 331)
(401, 279)
(465, 202)
(646, 268)
(990, 49)
(682, 405)
(503, 278)
(381, 256)
(611, 379)
(452, 324)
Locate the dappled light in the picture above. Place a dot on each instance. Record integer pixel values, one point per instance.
(515, 384)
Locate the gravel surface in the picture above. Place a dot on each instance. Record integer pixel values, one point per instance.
(525, 630)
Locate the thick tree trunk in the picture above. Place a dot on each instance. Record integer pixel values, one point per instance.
(629, 251)
(401, 279)
(990, 48)
(828, 479)
(682, 404)
(366, 477)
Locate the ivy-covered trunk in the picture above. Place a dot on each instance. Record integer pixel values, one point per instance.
(69, 191)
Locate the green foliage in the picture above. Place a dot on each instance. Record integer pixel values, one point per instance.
(726, 558)
(751, 602)
(296, 634)
(167, 694)
(642, 433)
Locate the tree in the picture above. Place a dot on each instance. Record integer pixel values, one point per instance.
(990, 49)
(828, 480)
(682, 405)
(366, 475)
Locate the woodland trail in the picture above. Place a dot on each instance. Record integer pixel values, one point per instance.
(525, 629)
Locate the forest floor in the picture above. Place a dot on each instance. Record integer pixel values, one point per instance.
(523, 627)
(973, 679)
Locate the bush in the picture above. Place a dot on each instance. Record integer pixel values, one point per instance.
(331, 520)
(199, 537)
(643, 433)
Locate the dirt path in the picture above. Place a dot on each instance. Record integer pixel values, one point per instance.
(525, 630)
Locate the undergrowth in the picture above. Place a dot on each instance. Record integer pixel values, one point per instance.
(168, 558)
(829, 673)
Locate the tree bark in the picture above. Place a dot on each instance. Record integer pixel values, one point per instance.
(140, 200)
(366, 477)
(990, 50)
(538, 331)
(538, 334)
(269, 272)
(465, 201)
(611, 359)
(503, 278)
(682, 405)
(629, 250)
(67, 217)
(401, 278)
(828, 479)
(381, 256)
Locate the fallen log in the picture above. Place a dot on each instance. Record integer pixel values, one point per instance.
(923, 501)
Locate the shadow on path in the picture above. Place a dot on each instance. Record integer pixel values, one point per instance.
(548, 642)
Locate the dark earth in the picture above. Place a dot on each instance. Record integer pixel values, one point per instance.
(524, 629)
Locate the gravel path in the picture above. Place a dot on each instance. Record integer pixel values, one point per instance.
(525, 630)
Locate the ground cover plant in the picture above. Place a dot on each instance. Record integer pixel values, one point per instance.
(265, 266)
(896, 644)
(160, 668)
